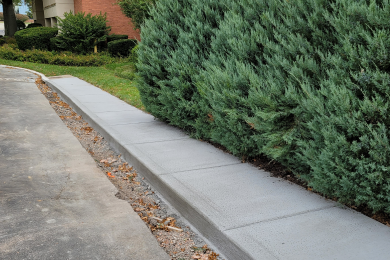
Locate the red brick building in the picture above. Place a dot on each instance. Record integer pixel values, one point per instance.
(47, 11)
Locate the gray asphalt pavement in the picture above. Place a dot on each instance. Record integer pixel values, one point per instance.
(54, 202)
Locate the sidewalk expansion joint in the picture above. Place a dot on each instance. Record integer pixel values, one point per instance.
(282, 217)
(196, 169)
(159, 141)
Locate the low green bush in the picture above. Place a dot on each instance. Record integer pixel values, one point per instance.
(20, 25)
(33, 25)
(102, 46)
(10, 52)
(2, 41)
(304, 82)
(38, 38)
(9, 40)
(80, 33)
(121, 47)
(115, 37)
(54, 43)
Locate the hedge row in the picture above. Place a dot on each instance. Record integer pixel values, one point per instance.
(304, 82)
(121, 47)
(35, 38)
(46, 57)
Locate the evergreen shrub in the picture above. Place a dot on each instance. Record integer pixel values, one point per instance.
(20, 25)
(136, 10)
(80, 33)
(303, 82)
(38, 38)
(10, 52)
(115, 37)
(121, 47)
(33, 25)
(54, 42)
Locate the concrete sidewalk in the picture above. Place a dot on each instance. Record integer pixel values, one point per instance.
(244, 212)
(54, 201)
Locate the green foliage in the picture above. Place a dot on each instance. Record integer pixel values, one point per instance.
(80, 33)
(174, 45)
(33, 25)
(38, 38)
(10, 52)
(304, 82)
(115, 37)
(121, 47)
(2, 41)
(133, 54)
(21, 25)
(137, 10)
(54, 44)
(9, 40)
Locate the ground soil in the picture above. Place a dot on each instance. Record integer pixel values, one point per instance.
(170, 230)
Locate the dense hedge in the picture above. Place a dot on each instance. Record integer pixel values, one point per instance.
(33, 25)
(38, 38)
(304, 82)
(115, 37)
(46, 57)
(20, 25)
(121, 47)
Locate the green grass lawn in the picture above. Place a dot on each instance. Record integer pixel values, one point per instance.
(115, 78)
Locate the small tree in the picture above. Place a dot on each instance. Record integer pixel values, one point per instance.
(137, 10)
(80, 33)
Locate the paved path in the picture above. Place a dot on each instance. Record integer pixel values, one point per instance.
(54, 202)
(243, 211)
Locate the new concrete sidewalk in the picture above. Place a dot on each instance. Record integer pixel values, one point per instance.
(244, 212)
(54, 201)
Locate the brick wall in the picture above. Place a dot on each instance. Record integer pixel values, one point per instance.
(119, 23)
(77, 6)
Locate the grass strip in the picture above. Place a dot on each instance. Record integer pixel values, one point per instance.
(116, 78)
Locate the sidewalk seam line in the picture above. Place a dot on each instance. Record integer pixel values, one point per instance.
(282, 217)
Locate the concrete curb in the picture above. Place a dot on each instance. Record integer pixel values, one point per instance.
(211, 233)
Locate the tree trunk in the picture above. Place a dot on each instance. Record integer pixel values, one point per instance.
(9, 18)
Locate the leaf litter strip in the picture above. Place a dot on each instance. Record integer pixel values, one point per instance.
(177, 239)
